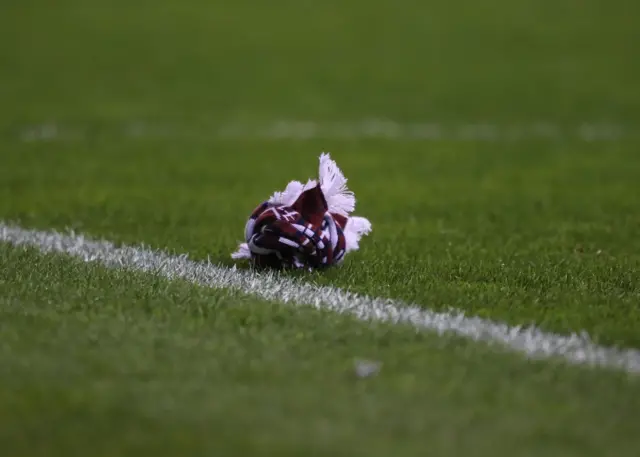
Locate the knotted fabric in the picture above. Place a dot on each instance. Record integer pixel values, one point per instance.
(306, 226)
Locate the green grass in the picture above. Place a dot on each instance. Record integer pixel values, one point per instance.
(526, 231)
(516, 236)
(119, 363)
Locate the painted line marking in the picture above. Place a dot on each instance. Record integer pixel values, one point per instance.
(357, 130)
(532, 342)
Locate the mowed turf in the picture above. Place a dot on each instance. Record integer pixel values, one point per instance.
(521, 237)
(524, 230)
(112, 362)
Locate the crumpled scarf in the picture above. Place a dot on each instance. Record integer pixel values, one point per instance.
(306, 226)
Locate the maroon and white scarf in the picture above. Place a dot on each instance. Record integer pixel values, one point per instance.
(306, 225)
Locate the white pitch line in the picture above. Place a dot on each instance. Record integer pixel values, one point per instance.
(355, 130)
(531, 341)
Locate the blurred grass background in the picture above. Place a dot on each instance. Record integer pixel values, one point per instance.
(211, 61)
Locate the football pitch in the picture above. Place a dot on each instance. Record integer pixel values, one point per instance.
(493, 145)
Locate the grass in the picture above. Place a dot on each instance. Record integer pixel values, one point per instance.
(529, 230)
(119, 363)
(515, 235)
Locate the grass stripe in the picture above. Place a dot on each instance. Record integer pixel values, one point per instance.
(531, 341)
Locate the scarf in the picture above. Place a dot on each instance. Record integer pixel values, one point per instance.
(305, 226)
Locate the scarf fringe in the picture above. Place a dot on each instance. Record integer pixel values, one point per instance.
(355, 229)
(334, 187)
(333, 183)
(243, 252)
(291, 193)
